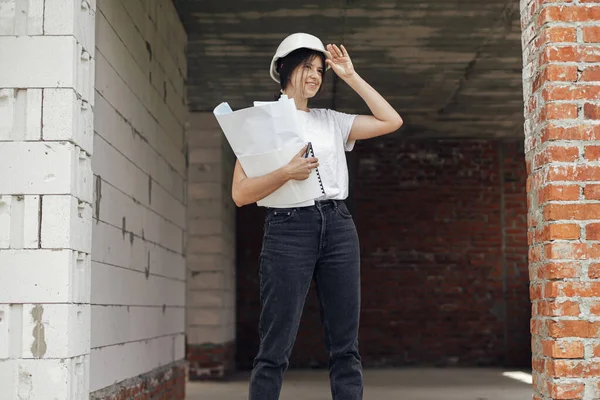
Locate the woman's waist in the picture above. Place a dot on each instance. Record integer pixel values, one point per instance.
(320, 203)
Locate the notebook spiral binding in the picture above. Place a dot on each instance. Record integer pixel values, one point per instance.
(312, 154)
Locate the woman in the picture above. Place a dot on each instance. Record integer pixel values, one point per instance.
(316, 239)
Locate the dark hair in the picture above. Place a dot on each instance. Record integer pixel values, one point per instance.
(286, 65)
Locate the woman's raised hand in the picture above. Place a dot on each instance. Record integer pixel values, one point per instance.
(340, 61)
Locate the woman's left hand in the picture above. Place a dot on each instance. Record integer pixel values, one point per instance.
(340, 61)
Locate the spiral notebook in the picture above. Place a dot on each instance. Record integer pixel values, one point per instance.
(310, 152)
(292, 192)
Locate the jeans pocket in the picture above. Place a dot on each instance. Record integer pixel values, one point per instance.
(343, 211)
(280, 215)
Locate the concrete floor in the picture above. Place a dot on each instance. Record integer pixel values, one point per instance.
(383, 384)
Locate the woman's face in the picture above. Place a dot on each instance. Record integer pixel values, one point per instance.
(307, 77)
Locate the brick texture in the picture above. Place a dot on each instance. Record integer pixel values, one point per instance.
(443, 229)
(165, 384)
(210, 361)
(210, 305)
(140, 192)
(561, 161)
(46, 125)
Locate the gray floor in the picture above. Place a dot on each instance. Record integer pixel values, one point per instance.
(383, 384)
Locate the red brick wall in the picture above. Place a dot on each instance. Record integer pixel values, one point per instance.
(561, 90)
(164, 384)
(443, 253)
(518, 303)
(210, 361)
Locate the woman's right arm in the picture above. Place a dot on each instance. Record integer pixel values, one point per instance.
(250, 190)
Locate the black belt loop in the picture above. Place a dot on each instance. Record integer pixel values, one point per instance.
(321, 203)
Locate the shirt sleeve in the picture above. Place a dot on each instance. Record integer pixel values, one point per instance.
(343, 124)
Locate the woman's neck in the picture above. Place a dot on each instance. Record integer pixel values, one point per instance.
(301, 102)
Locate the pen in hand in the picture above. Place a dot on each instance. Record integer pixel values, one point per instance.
(308, 150)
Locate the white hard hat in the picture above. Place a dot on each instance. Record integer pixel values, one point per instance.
(294, 42)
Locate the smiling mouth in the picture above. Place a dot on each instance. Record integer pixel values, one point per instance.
(312, 85)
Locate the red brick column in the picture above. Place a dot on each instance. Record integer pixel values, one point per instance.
(561, 79)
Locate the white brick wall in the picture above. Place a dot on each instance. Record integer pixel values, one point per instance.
(46, 114)
(211, 241)
(75, 81)
(20, 111)
(139, 203)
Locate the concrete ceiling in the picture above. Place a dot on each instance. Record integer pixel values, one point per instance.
(452, 68)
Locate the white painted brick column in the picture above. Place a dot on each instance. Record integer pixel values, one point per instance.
(46, 133)
(210, 250)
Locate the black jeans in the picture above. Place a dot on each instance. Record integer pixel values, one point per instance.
(300, 244)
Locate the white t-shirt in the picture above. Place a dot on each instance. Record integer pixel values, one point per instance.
(328, 131)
